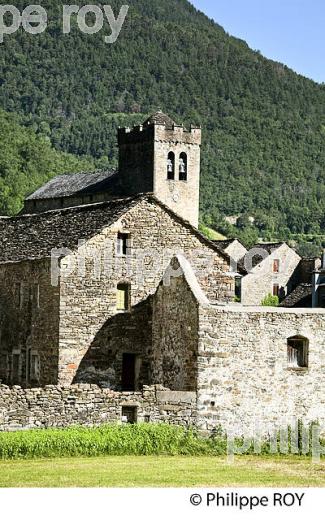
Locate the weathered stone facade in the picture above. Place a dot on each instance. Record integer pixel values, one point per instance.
(244, 378)
(155, 236)
(78, 302)
(29, 324)
(262, 278)
(88, 405)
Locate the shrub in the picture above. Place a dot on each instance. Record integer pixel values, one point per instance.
(270, 301)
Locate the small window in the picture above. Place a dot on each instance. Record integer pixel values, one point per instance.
(123, 297)
(276, 266)
(183, 167)
(238, 288)
(34, 367)
(15, 368)
(123, 244)
(171, 166)
(298, 352)
(34, 295)
(276, 290)
(18, 295)
(129, 414)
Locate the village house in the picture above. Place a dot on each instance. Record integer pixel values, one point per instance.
(106, 281)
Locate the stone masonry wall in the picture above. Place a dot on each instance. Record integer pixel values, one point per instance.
(129, 333)
(175, 336)
(244, 379)
(88, 405)
(87, 301)
(29, 323)
(181, 196)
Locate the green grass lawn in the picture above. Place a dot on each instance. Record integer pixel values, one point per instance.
(131, 471)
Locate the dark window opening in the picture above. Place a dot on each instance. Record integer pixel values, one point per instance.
(123, 297)
(171, 166)
(129, 414)
(183, 167)
(18, 295)
(238, 288)
(129, 372)
(298, 352)
(123, 244)
(276, 290)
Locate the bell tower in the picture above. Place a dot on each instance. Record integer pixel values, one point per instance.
(162, 158)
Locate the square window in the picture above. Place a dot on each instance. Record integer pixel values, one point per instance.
(123, 244)
(129, 414)
(298, 352)
(123, 297)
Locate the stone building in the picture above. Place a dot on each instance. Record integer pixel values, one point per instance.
(271, 270)
(234, 248)
(106, 281)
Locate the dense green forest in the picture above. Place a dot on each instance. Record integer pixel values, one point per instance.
(27, 161)
(263, 153)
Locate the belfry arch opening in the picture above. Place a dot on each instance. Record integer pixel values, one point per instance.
(171, 166)
(183, 167)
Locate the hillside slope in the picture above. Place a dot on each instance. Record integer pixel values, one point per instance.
(264, 126)
(27, 161)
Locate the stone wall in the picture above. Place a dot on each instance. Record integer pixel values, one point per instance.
(29, 324)
(260, 281)
(88, 405)
(87, 302)
(175, 335)
(129, 333)
(244, 378)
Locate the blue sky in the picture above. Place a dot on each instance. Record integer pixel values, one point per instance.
(289, 31)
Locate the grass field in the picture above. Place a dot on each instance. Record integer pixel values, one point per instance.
(154, 471)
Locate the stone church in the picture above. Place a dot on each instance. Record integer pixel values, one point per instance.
(106, 281)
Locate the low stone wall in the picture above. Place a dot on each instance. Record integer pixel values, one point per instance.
(89, 405)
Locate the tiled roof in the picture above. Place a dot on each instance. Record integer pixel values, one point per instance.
(159, 118)
(75, 184)
(224, 243)
(301, 296)
(32, 237)
(269, 247)
(257, 259)
(35, 236)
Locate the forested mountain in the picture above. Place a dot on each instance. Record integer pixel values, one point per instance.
(27, 161)
(263, 153)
